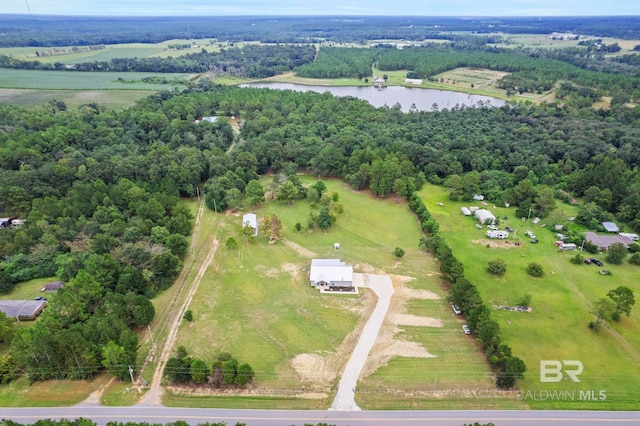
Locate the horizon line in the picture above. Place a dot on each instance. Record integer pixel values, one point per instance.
(27, 15)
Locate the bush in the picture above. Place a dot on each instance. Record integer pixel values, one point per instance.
(497, 267)
(398, 252)
(577, 259)
(188, 316)
(635, 259)
(535, 270)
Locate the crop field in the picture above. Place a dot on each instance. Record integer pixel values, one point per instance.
(69, 80)
(255, 302)
(556, 328)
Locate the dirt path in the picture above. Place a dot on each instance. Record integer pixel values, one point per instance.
(154, 394)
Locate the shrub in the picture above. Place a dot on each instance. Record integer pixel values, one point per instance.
(635, 259)
(535, 270)
(577, 259)
(398, 252)
(188, 315)
(497, 267)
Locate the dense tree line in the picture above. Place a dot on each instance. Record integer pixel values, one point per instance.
(224, 372)
(250, 61)
(465, 295)
(85, 31)
(529, 70)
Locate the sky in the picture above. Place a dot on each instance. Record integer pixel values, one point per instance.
(322, 7)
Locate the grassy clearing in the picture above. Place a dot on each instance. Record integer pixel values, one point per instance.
(48, 394)
(556, 329)
(244, 402)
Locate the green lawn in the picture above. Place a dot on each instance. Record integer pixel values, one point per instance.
(556, 329)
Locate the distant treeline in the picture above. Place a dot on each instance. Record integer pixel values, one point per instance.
(251, 61)
(81, 31)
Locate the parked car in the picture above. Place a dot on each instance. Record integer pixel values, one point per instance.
(456, 310)
(508, 228)
(596, 261)
(466, 329)
(534, 240)
(478, 226)
(492, 227)
(39, 298)
(587, 261)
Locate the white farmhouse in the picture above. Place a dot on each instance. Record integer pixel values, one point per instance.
(330, 274)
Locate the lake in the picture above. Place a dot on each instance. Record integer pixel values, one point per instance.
(424, 99)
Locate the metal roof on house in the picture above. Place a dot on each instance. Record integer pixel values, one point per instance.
(610, 227)
(330, 270)
(21, 308)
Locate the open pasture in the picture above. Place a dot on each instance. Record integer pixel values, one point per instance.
(256, 303)
(70, 80)
(556, 328)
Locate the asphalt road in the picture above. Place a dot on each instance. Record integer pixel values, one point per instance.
(154, 414)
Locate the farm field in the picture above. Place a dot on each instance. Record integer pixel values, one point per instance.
(556, 329)
(68, 80)
(73, 98)
(256, 304)
(78, 54)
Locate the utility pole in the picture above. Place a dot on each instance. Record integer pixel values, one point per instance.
(133, 383)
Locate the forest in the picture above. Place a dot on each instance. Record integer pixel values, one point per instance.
(20, 30)
(251, 61)
(100, 188)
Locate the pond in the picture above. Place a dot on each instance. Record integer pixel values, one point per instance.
(423, 99)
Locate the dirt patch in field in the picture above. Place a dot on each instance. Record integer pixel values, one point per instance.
(303, 251)
(414, 320)
(322, 369)
(504, 244)
(288, 268)
(389, 344)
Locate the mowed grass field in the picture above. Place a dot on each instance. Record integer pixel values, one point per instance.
(30, 87)
(556, 329)
(256, 303)
(79, 54)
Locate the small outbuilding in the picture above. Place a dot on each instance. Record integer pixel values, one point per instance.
(465, 211)
(251, 220)
(610, 227)
(478, 197)
(484, 216)
(53, 286)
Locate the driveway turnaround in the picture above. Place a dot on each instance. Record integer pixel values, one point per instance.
(345, 397)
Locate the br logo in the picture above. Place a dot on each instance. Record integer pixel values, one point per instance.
(552, 371)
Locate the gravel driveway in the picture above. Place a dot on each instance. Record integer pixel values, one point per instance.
(383, 288)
